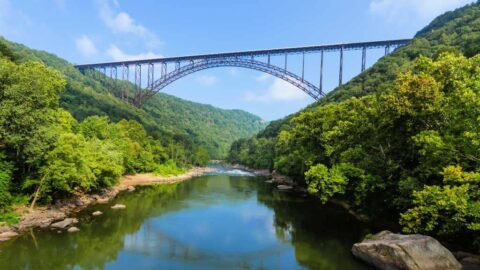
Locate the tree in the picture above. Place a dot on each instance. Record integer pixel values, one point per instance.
(29, 96)
(5, 182)
(326, 182)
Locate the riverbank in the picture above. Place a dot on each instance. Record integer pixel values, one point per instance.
(43, 216)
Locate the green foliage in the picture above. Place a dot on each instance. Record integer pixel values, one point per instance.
(79, 164)
(201, 157)
(10, 218)
(29, 96)
(326, 182)
(168, 169)
(447, 209)
(252, 152)
(140, 152)
(5, 52)
(5, 182)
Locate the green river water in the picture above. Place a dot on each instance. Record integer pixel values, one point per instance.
(210, 222)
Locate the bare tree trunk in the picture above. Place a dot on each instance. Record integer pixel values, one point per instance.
(37, 192)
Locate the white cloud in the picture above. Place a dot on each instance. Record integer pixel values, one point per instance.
(122, 22)
(206, 80)
(118, 55)
(405, 10)
(279, 90)
(86, 46)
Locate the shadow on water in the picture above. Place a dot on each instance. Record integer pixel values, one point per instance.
(210, 222)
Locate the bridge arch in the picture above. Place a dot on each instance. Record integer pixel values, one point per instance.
(273, 70)
(243, 59)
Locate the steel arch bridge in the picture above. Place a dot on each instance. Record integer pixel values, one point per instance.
(185, 65)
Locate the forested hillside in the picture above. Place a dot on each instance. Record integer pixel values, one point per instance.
(400, 141)
(164, 115)
(63, 132)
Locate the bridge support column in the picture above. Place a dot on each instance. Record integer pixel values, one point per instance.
(113, 77)
(387, 49)
(364, 58)
(151, 76)
(125, 73)
(163, 70)
(303, 66)
(285, 62)
(320, 85)
(138, 76)
(340, 75)
(125, 79)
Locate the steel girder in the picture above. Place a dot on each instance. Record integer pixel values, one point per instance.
(260, 53)
(278, 72)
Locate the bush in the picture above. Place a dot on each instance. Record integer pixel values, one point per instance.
(168, 168)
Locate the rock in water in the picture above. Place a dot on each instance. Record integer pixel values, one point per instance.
(131, 188)
(284, 187)
(73, 229)
(64, 223)
(467, 260)
(97, 213)
(390, 251)
(118, 206)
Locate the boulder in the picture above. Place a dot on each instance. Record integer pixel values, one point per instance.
(284, 187)
(5, 236)
(44, 224)
(118, 206)
(131, 188)
(64, 223)
(278, 178)
(97, 213)
(78, 202)
(390, 251)
(102, 200)
(73, 229)
(469, 261)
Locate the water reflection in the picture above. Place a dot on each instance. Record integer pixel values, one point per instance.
(211, 222)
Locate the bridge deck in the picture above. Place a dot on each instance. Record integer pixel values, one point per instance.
(266, 52)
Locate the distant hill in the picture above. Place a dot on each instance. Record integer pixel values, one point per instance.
(163, 115)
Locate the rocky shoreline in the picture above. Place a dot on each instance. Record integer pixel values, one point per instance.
(45, 216)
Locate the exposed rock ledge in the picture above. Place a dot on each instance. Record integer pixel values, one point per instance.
(390, 251)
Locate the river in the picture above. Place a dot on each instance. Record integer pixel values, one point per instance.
(221, 221)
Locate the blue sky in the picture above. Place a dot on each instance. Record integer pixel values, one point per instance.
(84, 31)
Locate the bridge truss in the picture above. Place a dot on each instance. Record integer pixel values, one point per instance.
(257, 60)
